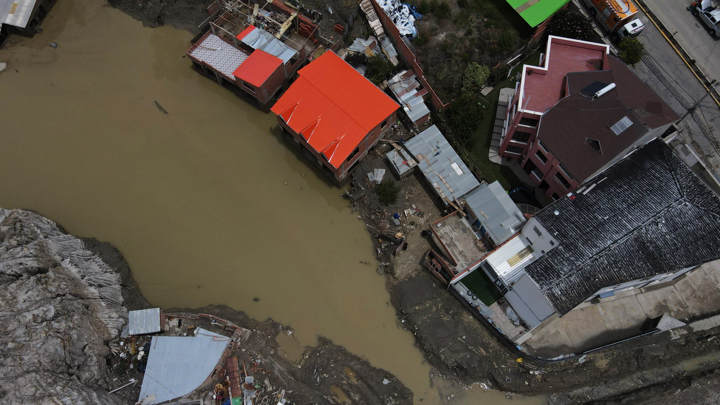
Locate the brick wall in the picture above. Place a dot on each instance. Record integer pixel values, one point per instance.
(407, 55)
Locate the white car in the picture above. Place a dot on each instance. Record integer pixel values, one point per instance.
(709, 14)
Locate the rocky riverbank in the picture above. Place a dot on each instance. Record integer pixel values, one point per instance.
(64, 305)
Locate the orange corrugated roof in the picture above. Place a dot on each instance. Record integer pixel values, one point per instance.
(246, 31)
(257, 67)
(333, 107)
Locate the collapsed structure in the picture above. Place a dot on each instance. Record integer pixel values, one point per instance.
(254, 48)
(577, 115)
(334, 112)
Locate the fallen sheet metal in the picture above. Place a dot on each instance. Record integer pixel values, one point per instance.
(177, 365)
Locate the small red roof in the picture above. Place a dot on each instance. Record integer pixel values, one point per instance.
(244, 33)
(333, 107)
(257, 67)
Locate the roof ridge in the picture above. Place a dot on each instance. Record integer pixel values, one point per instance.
(300, 73)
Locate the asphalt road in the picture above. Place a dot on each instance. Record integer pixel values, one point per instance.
(665, 72)
(690, 34)
(698, 138)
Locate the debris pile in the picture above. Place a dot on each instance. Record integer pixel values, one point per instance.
(401, 15)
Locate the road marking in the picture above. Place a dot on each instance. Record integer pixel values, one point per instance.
(677, 51)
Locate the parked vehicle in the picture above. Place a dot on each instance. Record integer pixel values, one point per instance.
(709, 14)
(618, 17)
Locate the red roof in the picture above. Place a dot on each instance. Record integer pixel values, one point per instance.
(257, 67)
(246, 31)
(333, 107)
(542, 87)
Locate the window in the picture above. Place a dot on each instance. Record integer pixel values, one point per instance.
(248, 87)
(561, 179)
(541, 156)
(530, 122)
(514, 149)
(521, 136)
(620, 126)
(352, 155)
(594, 144)
(384, 124)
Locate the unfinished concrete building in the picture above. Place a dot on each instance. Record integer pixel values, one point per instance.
(255, 47)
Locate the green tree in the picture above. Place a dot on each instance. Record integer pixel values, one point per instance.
(387, 192)
(569, 23)
(463, 117)
(474, 79)
(631, 50)
(378, 69)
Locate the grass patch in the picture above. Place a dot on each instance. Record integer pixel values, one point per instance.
(480, 285)
(480, 146)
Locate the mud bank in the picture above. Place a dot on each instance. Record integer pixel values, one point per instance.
(63, 302)
(182, 14)
(463, 349)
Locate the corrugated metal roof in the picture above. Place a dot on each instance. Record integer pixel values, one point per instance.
(222, 56)
(258, 38)
(333, 107)
(144, 321)
(529, 302)
(441, 165)
(496, 211)
(16, 12)
(404, 86)
(401, 160)
(177, 365)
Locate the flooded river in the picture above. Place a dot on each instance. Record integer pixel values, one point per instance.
(207, 203)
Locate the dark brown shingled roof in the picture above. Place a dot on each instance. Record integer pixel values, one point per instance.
(652, 215)
(572, 129)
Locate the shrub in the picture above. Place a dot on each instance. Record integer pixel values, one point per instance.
(378, 69)
(387, 192)
(631, 50)
(474, 79)
(570, 23)
(463, 117)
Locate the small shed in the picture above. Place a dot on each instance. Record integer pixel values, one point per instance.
(144, 321)
(441, 165)
(493, 211)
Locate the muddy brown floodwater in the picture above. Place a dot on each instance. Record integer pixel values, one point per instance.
(208, 205)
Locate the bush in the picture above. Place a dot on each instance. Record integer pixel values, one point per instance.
(463, 117)
(570, 23)
(387, 192)
(378, 69)
(474, 79)
(631, 50)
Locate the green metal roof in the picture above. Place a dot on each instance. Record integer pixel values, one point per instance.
(536, 11)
